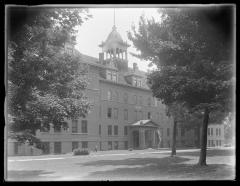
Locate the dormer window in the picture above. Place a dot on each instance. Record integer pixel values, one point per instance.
(112, 76)
(69, 50)
(137, 82)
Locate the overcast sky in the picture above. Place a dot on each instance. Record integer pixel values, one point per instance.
(96, 29)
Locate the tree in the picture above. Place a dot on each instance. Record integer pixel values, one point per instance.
(45, 84)
(229, 128)
(192, 49)
(178, 112)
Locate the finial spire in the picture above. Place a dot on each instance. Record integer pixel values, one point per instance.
(114, 18)
(114, 27)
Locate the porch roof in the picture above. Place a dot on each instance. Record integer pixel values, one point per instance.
(145, 123)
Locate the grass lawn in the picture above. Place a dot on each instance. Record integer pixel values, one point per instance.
(129, 166)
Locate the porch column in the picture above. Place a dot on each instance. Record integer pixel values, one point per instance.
(142, 138)
(154, 138)
(130, 145)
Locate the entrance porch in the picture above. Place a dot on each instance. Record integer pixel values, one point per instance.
(145, 134)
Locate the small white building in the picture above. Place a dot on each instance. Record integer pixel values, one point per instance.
(215, 135)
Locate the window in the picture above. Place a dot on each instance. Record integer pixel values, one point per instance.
(74, 126)
(149, 101)
(219, 131)
(141, 114)
(216, 131)
(84, 144)
(84, 126)
(125, 114)
(100, 111)
(57, 128)
(116, 96)
(125, 97)
(212, 144)
(149, 115)
(182, 132)
(140, 100)
(168, 131)
(134, 82)
(134, 99)
(115, 130)
(109, 95)
(109, 75)
(57, 147)
(209, 143)
(125, 130)
(219, 142)
(109, 130)
(69, 50)
(208, 131)
(115, 113)
(74, 145)
(135, 115)
(156, 116)
(109, 113)
(114, 76)
(109, 145)
(216, 142)
(99, 130)
(211, 131)
(116, 145)
(125, 144)
(139, 83)
(159, 116)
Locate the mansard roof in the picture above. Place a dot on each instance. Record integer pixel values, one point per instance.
(121, 75)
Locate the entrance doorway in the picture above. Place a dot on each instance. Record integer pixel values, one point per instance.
(135, 139)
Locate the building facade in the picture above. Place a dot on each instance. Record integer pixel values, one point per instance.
(215, 136)
(124, 114)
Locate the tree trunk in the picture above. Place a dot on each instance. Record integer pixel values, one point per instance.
(198, 136)
(203, 153)
(174, 138)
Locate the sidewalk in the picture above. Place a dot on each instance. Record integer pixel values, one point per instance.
(106, 153)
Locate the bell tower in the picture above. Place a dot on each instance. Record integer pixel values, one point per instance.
(114, 50)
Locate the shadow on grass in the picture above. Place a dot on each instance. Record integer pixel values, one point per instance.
(166, 168)
(210, 153)
(28, 175)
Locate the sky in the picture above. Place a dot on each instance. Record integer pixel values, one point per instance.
(95, 30)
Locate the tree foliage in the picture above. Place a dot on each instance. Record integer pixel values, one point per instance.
(45, 84)
(193, 51)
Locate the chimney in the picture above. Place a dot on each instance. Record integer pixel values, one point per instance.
(135, 67)
(101, 57)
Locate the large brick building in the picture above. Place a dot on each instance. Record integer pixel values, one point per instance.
(125, 115)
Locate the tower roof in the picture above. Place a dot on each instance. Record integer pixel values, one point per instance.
(113, 41)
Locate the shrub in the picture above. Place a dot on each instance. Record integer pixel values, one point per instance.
(80, 152)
